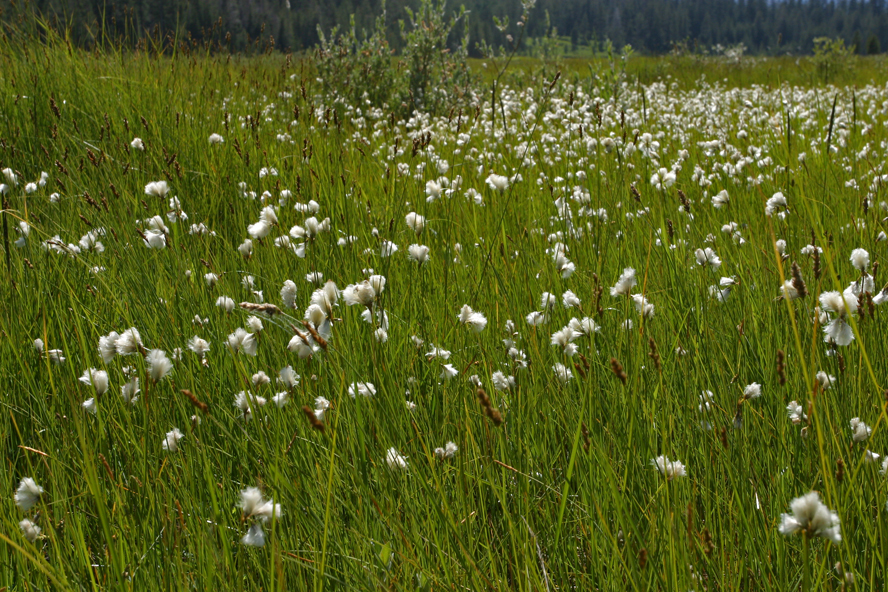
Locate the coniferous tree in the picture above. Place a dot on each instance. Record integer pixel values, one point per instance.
(651, 26)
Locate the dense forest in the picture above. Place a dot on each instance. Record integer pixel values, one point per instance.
(650, 26)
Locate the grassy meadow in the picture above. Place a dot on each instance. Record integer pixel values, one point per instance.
(601, 337)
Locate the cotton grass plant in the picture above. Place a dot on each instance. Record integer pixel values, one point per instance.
(334, 293)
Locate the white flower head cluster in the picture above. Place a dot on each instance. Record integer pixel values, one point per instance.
(497, 182)
(796, 413)
(171, 440)
(859, 430)
(752, 391)
(28, 494)
(776, 205)
(811, 516)
(159, 366)
(255, 507)
(669, 468)
(395, 460)
(624, 284)
(843, 304)
(707, 258)
(449, 451)
(363, 389)
(474, 320)
(663, 179)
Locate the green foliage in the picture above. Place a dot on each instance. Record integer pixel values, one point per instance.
(831, 55)
(367, 70)
(355, 70)
(562, 493)
(547, 49)
(434, 73)
(611, 75)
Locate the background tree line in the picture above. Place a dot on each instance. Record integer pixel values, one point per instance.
(651, 26)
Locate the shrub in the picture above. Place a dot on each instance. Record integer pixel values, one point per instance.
(830, 55)
(368, 70)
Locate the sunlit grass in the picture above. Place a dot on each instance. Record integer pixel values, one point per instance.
(560, 491)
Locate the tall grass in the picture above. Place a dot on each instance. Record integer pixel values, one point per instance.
(562, 494)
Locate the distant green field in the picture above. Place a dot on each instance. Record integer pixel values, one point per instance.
(610, 335)
(687, 71)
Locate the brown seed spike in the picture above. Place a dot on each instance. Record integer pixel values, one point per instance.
(267, 308)
(708, 546)
(194, 401)
(654, 354)
(313, 419)
(580, 370)
(315, 335)
(797, 282)
(482, 397)
(781, 374)
(107, 466)
(489, 411)
(617, 369)
(54, 107)
(686, 205)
